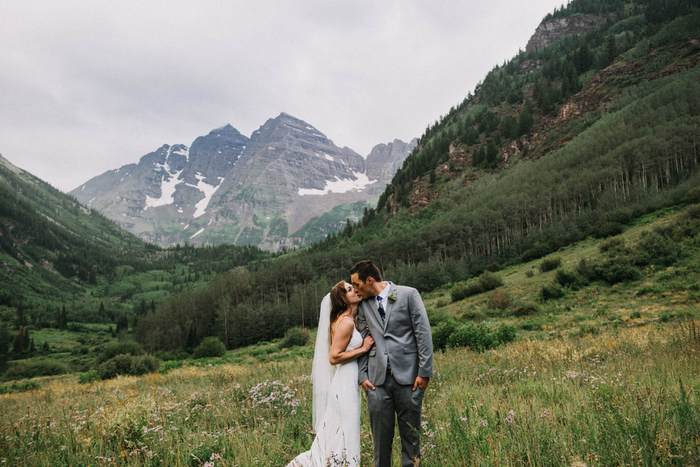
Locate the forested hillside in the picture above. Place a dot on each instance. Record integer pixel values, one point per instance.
(572, 140)
(604, 130)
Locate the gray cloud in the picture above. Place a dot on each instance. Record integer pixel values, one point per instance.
(91, 85)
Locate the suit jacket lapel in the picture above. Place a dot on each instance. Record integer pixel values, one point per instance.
(372, 305)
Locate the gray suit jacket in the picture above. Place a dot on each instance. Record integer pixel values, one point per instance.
(405, 340)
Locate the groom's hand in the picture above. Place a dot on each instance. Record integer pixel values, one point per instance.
(422, 382)
(366, 384)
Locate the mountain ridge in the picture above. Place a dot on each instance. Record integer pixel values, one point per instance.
(228, 188)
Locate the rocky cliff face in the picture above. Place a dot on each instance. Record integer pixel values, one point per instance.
(385, 160)
(228, 188)
(554, 29)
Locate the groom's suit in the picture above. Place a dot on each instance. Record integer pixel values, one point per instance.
(404, 344)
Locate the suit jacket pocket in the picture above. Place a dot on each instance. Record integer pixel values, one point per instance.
(373, 352)
(409, 350)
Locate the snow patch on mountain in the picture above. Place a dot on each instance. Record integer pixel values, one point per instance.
(182, 152)
(340, 186)
(167, 189)
(208, 191)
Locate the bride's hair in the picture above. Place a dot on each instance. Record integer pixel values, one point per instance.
(338, 304)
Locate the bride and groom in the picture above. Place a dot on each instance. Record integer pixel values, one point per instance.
(388, 351)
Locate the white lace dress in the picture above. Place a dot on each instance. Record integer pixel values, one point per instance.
(338, 439)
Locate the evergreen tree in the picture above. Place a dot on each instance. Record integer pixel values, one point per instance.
(491, 154)
(153, 306)
(192, 338)
(45, 348)
(525, 119)
(21, 319)
(5, 339)
(21, 342)
(143, 309)
(63, 319)
(610, 49)
(32, 347)
(102, 311)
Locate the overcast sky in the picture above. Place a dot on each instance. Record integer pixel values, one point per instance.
(88, 86)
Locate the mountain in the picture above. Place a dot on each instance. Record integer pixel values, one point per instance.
(49, 242)
(228, 188)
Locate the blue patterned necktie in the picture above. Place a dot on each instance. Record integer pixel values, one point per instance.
(380, 308)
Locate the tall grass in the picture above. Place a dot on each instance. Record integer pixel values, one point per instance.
(627, 396)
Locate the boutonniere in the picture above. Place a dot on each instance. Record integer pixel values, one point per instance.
(392, 298)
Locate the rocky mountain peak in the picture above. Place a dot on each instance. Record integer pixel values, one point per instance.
(228, 188)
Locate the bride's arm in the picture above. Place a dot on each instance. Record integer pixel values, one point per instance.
(342, 337)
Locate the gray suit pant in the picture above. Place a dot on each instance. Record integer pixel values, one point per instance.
(386, 402)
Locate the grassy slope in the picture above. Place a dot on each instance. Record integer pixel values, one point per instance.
(673, 291)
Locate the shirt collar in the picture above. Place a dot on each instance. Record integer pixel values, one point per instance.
(385, 293)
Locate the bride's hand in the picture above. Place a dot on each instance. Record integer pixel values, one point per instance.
(369, 342)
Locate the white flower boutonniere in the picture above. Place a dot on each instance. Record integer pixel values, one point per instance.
(392, 298)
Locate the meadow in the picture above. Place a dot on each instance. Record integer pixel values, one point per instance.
(626, 396)
(602, 375)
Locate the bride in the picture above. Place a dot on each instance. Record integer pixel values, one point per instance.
(336, 403)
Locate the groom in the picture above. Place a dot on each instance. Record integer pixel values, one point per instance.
(396, 371)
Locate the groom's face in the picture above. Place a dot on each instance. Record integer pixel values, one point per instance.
(363, 289)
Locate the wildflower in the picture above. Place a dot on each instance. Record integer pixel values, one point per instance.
(484, 423)
(544, 414)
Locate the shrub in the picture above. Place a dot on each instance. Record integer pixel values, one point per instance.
(692, 196)
(170, 365)
(550, 264)
(608, 229)
(485, 282)
(588, 329)
(23, 387)
(490, 281)
(620, 216)
(611, 244)
(504, 334)
(499, 299)
(128, 365)
(167, 355)
(442, 333)
(614, 271)
(461, 292)
(25, 370)
(472, 336)
(89, 377)
(567, 279)
(119, 348)
(692, 212)
(654, 248)
(536, 252)
(551, 292)
(210, 347)
(529, 273)
(635, 314)
(144, 364)
(524, 308)
(295, 336)
(666, 317)
(585, 271)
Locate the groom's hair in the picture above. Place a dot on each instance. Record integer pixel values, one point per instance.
(365, 269)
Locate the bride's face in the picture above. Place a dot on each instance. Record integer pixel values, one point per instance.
(350, 295)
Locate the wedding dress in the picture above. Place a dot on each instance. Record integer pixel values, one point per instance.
(336, 405)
